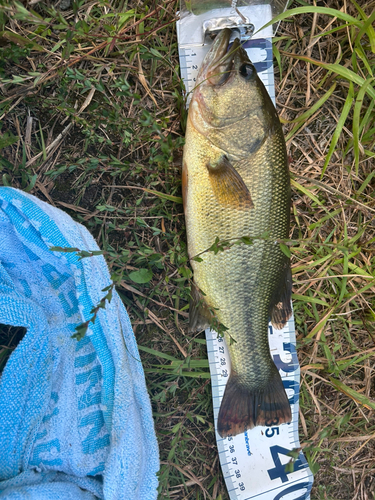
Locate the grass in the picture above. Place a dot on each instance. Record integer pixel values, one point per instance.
(92, 121)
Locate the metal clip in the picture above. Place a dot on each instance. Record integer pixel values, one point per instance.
(241, 25)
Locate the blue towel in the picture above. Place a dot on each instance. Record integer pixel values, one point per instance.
(75, 416)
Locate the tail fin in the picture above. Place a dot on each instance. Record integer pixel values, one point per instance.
(243, 408)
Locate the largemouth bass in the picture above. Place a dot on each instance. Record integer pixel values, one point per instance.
(235, 184)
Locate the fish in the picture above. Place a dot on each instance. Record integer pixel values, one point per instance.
(236, 184)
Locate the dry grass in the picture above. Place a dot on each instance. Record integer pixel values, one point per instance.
(92, 114)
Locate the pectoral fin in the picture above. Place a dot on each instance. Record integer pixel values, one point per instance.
(281, 309)
(199, 313)
(228, 186)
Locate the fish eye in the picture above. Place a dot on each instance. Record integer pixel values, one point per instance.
(247, 71)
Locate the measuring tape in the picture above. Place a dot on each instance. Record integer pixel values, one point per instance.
(257, 463)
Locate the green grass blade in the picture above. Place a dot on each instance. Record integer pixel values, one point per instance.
(305, 191)
(325, 218)
(205, 375)
(308, 299)
(42, 141)
(351, 393)
(158, 353)
(340, 124)
(369, 30)
(301, 120)
(313, 263)
(20, 40)
(356, 119)
(277, 55)
(176, 199)
(343, 365)
(369, 153)
(320, 325)
(344, 280)
(311, 9)
(346, 73)
(366, 182)
(367, 118)
(358, 51)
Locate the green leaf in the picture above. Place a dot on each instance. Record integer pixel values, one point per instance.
(320, 325)
(156, 53)
(285, 250)
(7, 139)
(176, 428)
(246, 240)
(141, 276)
(32, 183)
(185, 272)
(83, 254)
(124, 17)
(330, 215)
(366, 182)
(197, 259)
(81, 331)
(5, 163)
(7, 181)
(359, 52)
(308, 299)
(20, 40)
(42, 141)
(276, 53)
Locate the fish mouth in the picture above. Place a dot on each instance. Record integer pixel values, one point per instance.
(219, 62)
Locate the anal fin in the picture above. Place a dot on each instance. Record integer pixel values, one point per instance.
(228, 186)
(281, 309)
(199, 313)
